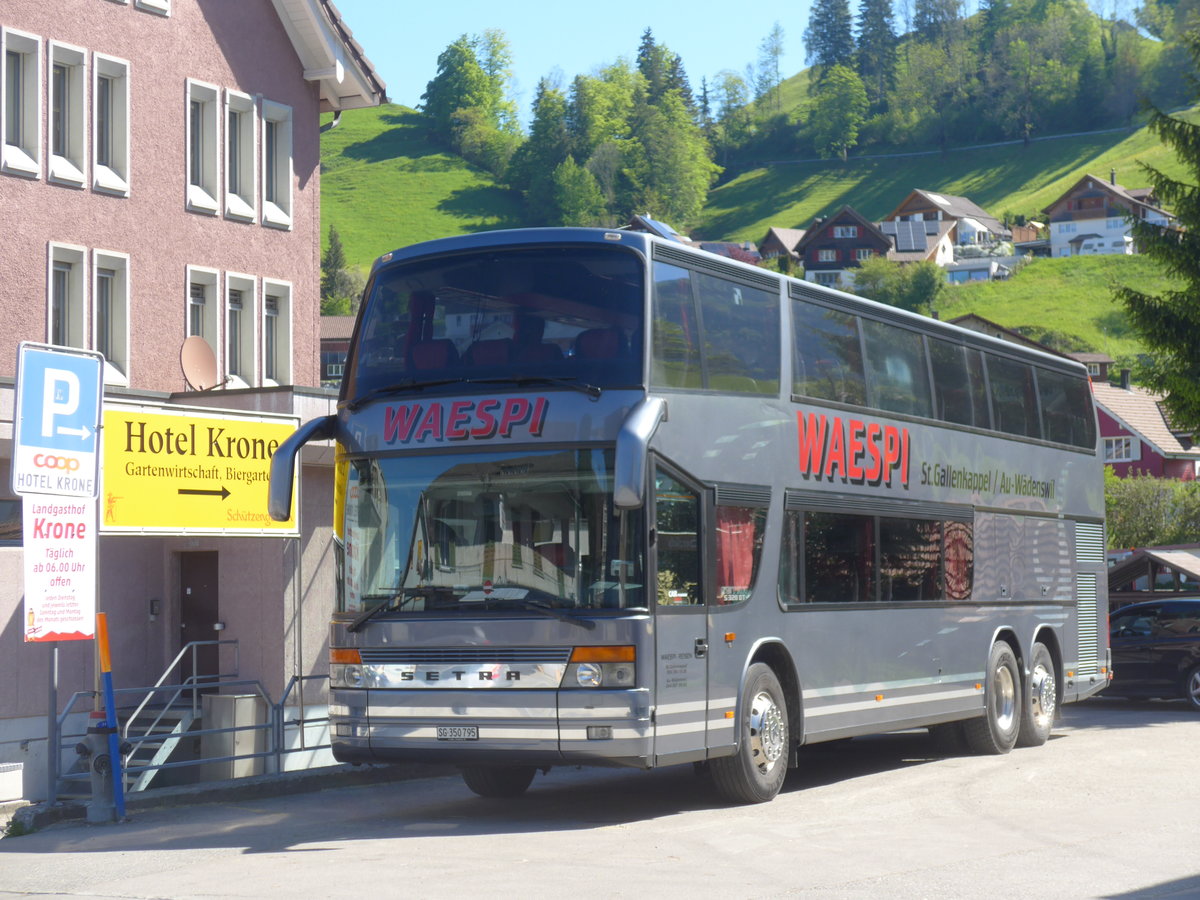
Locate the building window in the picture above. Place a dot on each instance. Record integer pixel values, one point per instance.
(277, 164)
(110, 125)
(828, 279)
(110, 315)
(277, 332)
(67, 301)
(827, 256)
(845, 231)
(863, 253)
(1066, 227)
(68, 114)
(1119, 449)
(202, 307)
(202, 147)
(1093, 369)
(240, 129)
(239, 329)
(21, 107)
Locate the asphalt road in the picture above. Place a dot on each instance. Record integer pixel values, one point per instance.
(1106, 809)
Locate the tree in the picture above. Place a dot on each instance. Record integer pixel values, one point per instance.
(917, 287)
(933, 19)
(828, 40)
(838, 112)
(768, 76)
(1169, 323)
(460, 83)
(339, 287)
(668, 165)
(532, 168)
(577, 195)
(875, 56)
(1144, 511)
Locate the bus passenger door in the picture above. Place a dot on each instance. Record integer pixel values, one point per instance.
(681, 620)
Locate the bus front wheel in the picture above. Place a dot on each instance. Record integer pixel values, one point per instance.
(756, 772)
(498, 781)
(996, 731)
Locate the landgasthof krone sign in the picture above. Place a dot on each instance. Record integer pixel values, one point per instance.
(189, 470)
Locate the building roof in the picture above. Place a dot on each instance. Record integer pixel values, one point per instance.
(1092, 358)
(330, 55)
(337, 328)
(820, 226)
(1183, 558)
(1140, 412)
(953, 207)
(787, 238)
(914, 241)
(1131, 198)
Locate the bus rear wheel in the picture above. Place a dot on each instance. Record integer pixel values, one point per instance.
(996, 731)
(498, 781)
(1041, 701)
(756, 772)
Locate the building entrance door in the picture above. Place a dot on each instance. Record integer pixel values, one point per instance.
(199, 611)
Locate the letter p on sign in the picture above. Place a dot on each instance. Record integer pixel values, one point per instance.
(61, 397)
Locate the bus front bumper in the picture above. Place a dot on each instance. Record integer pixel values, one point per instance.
(512, 727)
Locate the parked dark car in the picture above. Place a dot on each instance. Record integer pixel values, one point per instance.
(1156, 650)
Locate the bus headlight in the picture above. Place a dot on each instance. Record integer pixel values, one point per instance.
(594, 667)
(346, 676)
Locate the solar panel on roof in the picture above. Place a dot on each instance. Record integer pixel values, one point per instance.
(910, 236)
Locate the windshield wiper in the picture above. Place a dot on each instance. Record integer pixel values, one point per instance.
(404, 595)
(411, 385)
(568, 381)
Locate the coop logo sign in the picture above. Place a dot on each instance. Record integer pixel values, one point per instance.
(465, 420)
(67, 463)
(853, 451)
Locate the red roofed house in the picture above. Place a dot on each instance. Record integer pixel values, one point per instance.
(1137, 434)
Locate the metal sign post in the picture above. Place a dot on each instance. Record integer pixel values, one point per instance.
(56, 468)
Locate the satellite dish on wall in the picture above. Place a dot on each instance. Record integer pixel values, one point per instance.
(199, 364)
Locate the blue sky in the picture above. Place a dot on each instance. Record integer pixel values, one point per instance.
(403, 39)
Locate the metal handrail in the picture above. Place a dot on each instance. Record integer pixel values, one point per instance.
(189, 647)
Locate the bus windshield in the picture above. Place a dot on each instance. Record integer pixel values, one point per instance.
(573, 315)
(482, 532)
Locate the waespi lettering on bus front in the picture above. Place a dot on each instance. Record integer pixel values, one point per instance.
(462, 420)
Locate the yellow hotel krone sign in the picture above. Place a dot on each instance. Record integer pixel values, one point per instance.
(189, 470)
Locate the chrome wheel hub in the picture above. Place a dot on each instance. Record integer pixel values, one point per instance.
(768, 732)
(1043, 696)
(1004, 698)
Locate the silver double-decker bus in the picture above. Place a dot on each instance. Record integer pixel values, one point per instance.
(603, 498)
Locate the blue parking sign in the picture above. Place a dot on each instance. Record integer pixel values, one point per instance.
(56, 446)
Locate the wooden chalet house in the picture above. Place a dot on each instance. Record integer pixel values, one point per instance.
(1092, 217)
(833, 247)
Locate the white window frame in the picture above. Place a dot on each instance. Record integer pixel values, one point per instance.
(247, 328)
(203, 147)
(25, 156)
(241, 199)
(1093, 369)
(210, 316)
(76, 298)
(827, 254)
(111, 176)
(1127, 443)
(276, 165)
(845, 231)
(282, 373)
(161, 7)
(68, 166)
(116, 365)
(861, 253)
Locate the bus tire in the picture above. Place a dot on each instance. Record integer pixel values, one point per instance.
(498, 781)
(1041, 700)
(996, 730)
(755, 773)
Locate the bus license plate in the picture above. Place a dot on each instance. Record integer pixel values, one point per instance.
(458, 733)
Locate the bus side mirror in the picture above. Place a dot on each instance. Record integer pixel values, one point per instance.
(633, 451)
(283, 464)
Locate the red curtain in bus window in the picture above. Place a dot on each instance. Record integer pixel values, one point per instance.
(736, 542)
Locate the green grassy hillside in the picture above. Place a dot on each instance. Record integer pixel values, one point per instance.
(1071, 297)
(385, 185)
(1016, 179)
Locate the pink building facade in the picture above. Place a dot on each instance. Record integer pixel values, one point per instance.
(159, 180)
